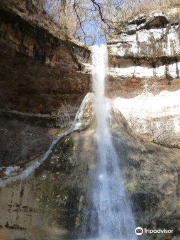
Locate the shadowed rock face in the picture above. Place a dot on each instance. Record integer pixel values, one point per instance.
(54, 202)
(39, 66)
(42, 82)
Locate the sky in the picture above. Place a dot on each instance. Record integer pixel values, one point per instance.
(91, 28)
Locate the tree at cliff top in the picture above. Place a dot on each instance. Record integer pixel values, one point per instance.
(92, 21)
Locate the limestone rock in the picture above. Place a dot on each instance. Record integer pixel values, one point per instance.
(42, 82)
(40, 69)
(54, 201)
(151, 43)
(144, 66)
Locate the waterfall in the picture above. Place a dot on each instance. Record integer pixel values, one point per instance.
(114, 216)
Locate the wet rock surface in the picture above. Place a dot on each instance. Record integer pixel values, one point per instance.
(53, 202)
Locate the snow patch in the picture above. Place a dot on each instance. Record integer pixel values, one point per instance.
(149, 106)
(147, 72)
(148, 103)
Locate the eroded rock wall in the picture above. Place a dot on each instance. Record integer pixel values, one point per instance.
(39, 70)
(53, 202)
(41, 80)
(144, 71)
(147, 47)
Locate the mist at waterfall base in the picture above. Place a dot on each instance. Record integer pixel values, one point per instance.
(113, 218)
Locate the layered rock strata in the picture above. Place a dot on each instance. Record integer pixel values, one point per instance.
(41, 80)
(148, 46)
(144, 74)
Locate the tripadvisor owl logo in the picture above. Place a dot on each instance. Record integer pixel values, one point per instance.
(138, 231)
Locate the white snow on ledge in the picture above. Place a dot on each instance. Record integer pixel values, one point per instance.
(163, 104)
(153, 108)
(133, 71)
(156, 116)
(172, 70)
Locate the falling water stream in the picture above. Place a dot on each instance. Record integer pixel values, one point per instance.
(114, 216)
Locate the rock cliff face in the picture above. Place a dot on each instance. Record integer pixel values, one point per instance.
(52, 202)
(153, 42)
(39, 69)
(147, 47)
(41, 80)
(144, 73)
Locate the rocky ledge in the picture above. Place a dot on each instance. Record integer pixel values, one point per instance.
(148, 46)
(145, 74)
(32, 208)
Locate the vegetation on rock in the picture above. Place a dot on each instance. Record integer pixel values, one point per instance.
(94, 20)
